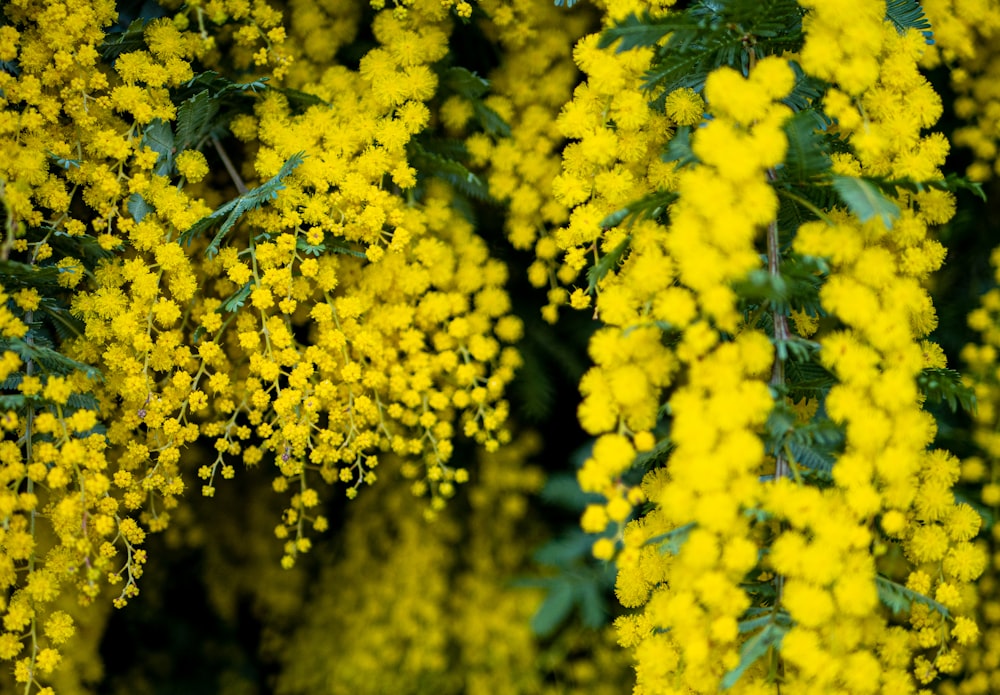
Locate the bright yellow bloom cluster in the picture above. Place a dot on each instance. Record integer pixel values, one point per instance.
(693, 602)
(343, 314)
(982, 674)
(233, 237)
(843, 41)
(713, 508)
(430, 603)
(362, 379)
(965, 38)
(617, 140)
(530, 86)
(875, 288)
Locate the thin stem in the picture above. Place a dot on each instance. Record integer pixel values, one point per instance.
(228, 163)
(781, 332)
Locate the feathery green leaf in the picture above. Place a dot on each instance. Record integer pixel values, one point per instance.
(195, 118)
(806, 155)
(603, 266)
(909, 14)
(236, 208)
(899, 598)
(753, 649)
(946, 385)
(453, 172)
(118, 42)
(865, 200)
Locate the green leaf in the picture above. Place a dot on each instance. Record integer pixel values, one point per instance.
(335, 245)
(679, 148)
(465, 83)
(806, 90)
(796, 284)
(753, 649)
(118, 42)
(195, 118)
(299, 97)
(160, 138)
(554, 609)
(952, 183)
(49, 359)
(231, 212)
(13, 402)
(237, 298)
(566, 550)
(603, 266)
(909, 14)
(533, 385)
(66, 325)
(672, 541)
(818, 463)
(472, 87)
(658, 454)
(15, 273)
(899, 598)
(946, 385)
(138, 207)
(490, 121)
(812, 446)
(449, 148)
(449, 170)
(865, 200)
(563, 490)
(806, 156)
(808, 378)
(636, 32)
(593, 609)
(766, 616)
(310, 249)
(84, 401)
(65, 163)
(649, 207)
(218, 85)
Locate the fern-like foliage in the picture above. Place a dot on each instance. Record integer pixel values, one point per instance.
(864, 199)
(708, 34)
(230, 213)
(946, 385)
(608, 261)
(909, 14)
(806, 156)
(637, 31)
(454, 172)
(118, 42)
(472, 87)
(899, 598)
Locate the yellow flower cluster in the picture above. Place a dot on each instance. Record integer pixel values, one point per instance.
(274, 272)
(679, 276)
(353, 314)
(249, 34)
(890, 513)
(613, 160)
(345, 349)
(533, 82)
(430, 603)
(981, 674)
(875, 288)
(965, 38)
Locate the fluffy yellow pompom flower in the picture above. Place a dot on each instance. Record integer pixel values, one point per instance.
(191, 165)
